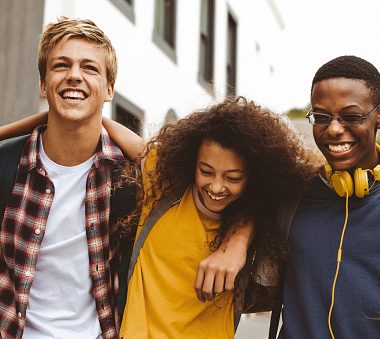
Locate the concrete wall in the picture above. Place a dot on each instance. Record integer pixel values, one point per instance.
(20, 26)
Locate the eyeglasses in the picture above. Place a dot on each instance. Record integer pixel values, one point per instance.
(346, 120)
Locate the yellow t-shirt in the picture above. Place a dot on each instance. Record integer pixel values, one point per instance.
(161, 300)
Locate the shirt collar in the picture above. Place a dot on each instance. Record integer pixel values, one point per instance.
(106, 150)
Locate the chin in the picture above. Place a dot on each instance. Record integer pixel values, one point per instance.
(216, 209)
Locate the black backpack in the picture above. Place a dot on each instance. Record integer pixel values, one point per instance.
(10, 154)
(123, 201)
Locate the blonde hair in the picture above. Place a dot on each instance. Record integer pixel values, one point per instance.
(66, 28)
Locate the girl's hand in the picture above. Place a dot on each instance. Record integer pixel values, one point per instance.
(217, 273)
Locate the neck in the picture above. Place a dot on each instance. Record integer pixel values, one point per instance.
(70, 144)
(202, 208)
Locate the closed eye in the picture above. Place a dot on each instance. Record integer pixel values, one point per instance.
(205, 172)
(235, 180)
(351, 117)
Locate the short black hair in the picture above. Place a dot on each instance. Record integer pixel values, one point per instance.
(351, 67)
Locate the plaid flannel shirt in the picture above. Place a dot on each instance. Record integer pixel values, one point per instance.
(23, 229)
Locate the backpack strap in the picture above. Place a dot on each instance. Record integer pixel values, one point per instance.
(161, 207)
(285, 219)
(10, 154)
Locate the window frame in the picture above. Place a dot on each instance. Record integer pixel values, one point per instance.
(126, 7)
(165, 31)
(206, 45)
(127, 105)
(231, 60)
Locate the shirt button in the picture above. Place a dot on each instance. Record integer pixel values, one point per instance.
(37, 231)
(19, 314)
(28, 273)
(48, 191)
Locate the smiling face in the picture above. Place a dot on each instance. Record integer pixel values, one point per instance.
(76, 84)
(346, 148)
(220, 175)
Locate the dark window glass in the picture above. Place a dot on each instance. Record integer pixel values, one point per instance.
(165, 21)
(231, 55)
(206, 58)
(128, 119)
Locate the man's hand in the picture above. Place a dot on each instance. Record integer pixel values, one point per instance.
(216, 273)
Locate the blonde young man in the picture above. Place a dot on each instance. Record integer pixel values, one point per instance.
(58, 268)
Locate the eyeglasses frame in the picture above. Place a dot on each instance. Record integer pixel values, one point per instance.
(339, 117)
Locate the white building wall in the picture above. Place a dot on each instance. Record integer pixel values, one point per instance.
(149, 79)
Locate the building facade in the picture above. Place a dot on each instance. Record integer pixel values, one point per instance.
(175, 56)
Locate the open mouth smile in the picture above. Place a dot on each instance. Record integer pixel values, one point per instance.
(340, 148)
(73, 95)
(216, 197)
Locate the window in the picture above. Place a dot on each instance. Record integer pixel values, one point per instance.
(164, 34)
(206, 54)
(127, 114)
(126, 7)
(231, 55)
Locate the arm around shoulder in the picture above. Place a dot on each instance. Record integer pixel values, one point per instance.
(23, 126)
(131, 144)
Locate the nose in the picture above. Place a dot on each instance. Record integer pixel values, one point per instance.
(217, 186)
(74, 73)
(335, 128)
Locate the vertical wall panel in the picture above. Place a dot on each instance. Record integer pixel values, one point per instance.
(20, 26)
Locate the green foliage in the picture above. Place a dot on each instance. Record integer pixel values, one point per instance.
(297, 113)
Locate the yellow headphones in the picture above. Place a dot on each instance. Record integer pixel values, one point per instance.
(343, 184)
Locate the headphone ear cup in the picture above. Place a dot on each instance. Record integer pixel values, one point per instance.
(342, 183)
(361, 183)
(376, 172)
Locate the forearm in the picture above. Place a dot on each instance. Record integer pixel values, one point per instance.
(23, 126)
(240, 235)
(131, 144)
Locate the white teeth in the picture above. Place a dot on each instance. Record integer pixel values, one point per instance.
(73, 95)
(340, 148)
(213, 197)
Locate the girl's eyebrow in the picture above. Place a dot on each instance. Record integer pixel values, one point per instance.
(230, 170)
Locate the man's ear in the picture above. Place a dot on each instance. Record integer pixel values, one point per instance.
(43, 88)
(110, 92)
(378, 117)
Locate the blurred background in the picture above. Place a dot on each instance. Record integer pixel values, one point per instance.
(176, 56)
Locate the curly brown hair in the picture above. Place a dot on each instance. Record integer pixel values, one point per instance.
(277, 159)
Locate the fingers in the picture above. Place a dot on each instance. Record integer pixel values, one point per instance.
(208, 284)
(198, 284)
(219, 282)
(212, 280)
(230, 280)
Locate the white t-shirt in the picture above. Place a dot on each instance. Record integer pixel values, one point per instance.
(61, 303)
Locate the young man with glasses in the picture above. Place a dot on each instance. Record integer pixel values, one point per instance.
(331, 286)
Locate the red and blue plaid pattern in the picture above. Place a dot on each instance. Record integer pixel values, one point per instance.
(23, 229)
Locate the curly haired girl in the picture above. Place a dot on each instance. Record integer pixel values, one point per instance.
(231, 162)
